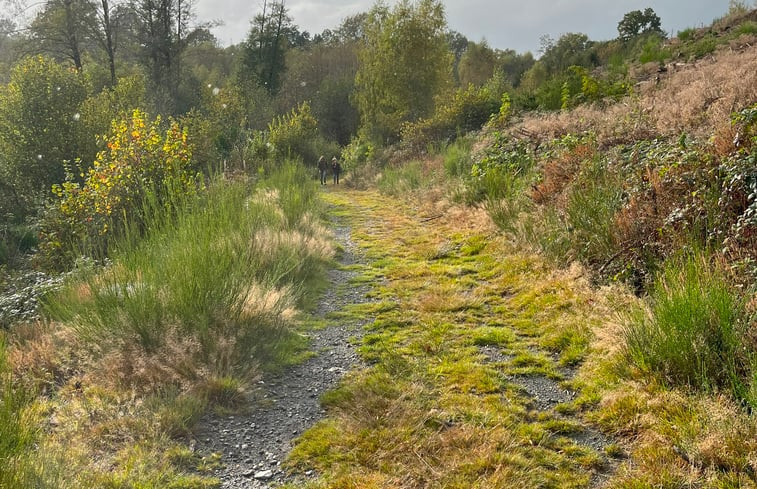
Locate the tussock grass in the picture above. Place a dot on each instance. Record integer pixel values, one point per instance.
(217, 287)
(189, 308)
(18, 428)
(693, 334)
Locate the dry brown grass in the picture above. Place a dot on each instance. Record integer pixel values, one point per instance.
(45, 355)
(559, 172)
(695, 98)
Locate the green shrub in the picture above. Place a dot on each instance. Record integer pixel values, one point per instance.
(747, 28)
(506, 166)
(140, 159)
(653, 50)
(296, 135)
(686, 34)
(457, 158)
(693, 334)
(594, 199)
(40, 129)
(468, 109)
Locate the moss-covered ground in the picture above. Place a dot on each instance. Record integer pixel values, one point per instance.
(461, 325)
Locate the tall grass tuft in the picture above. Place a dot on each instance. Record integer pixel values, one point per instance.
(401, 180)
(217, 282)
(457, 158)
(693, 334)
(18, 428)
(592, 204)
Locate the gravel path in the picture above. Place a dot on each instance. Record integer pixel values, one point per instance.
(254, 444)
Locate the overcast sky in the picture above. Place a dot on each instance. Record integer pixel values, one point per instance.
(515, 24)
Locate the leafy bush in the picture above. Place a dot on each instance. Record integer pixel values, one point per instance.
(216, 130)
(140, 161)
(505, 165)
(467, 110)
(39, 130)
(296, 135)
(693, 335)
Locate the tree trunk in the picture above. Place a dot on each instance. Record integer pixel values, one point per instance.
(109, 48)
(73, 41)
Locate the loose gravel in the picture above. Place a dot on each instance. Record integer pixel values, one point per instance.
(254, 444)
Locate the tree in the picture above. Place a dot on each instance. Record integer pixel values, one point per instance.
(62, 29)
(404, 64)
(163, 31)
(477, 64)
(637, 22)
(513, 65)
(324, 74)
(40, 129)
(572, 49)
(271, 34)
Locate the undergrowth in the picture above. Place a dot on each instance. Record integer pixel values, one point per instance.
(192, 304)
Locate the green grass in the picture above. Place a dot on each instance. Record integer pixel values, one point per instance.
(402, 180)
(19, 427)
(224, 272)
(592, 205)
(431, 409)
(694, 334)
(457, 158)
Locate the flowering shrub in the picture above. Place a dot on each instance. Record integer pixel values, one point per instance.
(139, 162)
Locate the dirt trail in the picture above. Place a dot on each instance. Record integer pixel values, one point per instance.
(253, 444)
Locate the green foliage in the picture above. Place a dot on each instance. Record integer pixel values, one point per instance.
(694, 333)
(295, 135)
(403, 179)
(140, 161)
(40, 129)
(220, 277)
(637, 22)
(216, 130)
(652, 50)
(18, 428)
(593, 201)
(263, 54)
(738, 199)
(504, 156)
(467, 110)
(404, 65)
(457, 158)
(477, 64)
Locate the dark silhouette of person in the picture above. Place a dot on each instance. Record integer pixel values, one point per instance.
(323, 167)
(336, 168)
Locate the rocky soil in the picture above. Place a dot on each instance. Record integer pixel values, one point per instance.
(253, 444)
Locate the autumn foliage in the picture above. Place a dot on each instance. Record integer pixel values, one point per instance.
(141, 161)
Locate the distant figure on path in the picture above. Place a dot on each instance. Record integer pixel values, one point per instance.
(323, 166)
(336, 168)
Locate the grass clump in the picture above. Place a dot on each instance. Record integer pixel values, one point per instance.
(694, 333)
(403, 179)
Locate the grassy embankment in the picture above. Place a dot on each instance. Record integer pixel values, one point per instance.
(180, 321)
